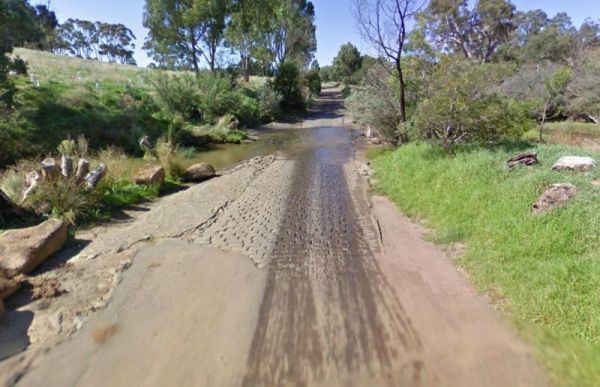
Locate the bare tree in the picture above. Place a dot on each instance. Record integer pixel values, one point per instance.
(384, 24)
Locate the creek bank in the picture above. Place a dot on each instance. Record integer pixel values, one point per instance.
(80, 279)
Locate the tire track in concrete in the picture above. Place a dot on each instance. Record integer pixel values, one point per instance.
(327, 311)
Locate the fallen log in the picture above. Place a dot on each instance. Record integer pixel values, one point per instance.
(93, 178)
(83, 168)
(50, 170)
(32, 180)
(527, 158)
(148, 147)
(66, 166)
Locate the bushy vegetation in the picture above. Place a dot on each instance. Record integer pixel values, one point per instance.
(288, 83)
(463, 105)
(542, 269)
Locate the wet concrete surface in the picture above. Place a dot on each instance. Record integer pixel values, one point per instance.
(327, 310)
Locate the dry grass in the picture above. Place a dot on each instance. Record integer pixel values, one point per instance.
(49, 67)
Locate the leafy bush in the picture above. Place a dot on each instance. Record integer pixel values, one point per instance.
(217, 96)
(178, 94)
(287, 83)
(463, 106)
(247, 111)
(269, 102)
(376, 105)
(313, 81)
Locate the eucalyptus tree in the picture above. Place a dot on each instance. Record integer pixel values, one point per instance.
(477, 32)
(183, 32)
(249, 24)
(385, 25)
(347, 62)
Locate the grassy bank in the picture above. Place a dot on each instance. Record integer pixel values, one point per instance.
(581, 134)
(114, 105)
(543, 271)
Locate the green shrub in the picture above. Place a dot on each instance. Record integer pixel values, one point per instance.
(313, 81)
(269, 102)
(376, 104)
(464, 106)
(287, 83)
(178, 94)
(248, 111)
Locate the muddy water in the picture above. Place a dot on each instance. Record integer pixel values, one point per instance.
(222, 156)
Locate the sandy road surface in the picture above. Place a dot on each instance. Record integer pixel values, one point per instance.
(297, 280)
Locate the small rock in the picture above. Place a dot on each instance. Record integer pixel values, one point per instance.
(556, 195)
(596, 183)
(199, 172)
(150, 174)
(247, 141)
(252, 138)
(527, 158)
(574, 163)
(22, 250)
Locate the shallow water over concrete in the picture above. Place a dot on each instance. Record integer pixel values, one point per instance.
(270, 141)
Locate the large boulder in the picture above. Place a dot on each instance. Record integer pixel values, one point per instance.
(150, 174)
(22, 250)
(556, 195)
(574, 163)
(199, 172)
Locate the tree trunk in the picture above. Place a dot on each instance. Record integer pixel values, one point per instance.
(246, 68)
(194, 53)
(543, 120)
(94, 177)
(402, 91)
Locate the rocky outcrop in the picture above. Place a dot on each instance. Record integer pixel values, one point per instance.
(574, 163)
(151, 174)
(199, 172)
(22, 250)
(556, 195)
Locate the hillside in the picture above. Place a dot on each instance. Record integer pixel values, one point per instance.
(48, 67)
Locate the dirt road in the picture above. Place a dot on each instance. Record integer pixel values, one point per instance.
(296, 280)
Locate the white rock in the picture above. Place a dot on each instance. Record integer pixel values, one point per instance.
(574, 163)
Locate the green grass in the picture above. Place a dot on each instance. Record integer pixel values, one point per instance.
(543, 270)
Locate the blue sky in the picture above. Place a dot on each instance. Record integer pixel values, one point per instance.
(335, 24)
